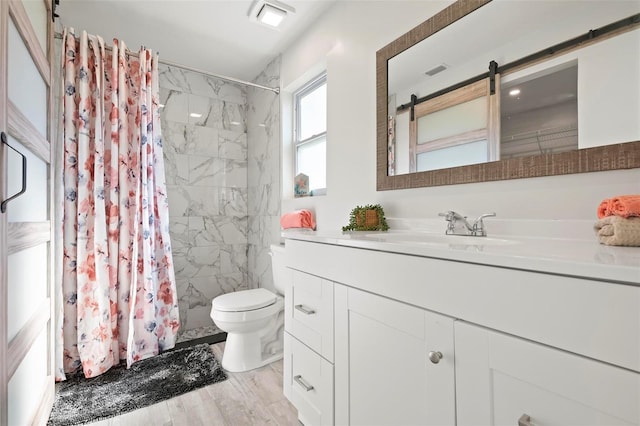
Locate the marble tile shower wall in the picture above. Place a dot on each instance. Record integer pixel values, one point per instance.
(204, 124)
(264, 174)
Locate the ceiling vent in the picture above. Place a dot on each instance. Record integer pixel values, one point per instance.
(435, 70)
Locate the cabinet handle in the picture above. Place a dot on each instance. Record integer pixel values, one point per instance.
(435, 356)
(304, 310)
(525, 420)
(301, 382)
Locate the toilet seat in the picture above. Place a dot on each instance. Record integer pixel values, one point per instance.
(245, 300)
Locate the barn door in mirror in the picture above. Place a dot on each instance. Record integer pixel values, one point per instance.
(458, 128)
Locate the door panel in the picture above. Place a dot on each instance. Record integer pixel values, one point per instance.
(28, 296)
(39, 16)
(28, 382)
(26, 88)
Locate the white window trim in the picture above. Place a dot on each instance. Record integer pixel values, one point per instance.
(312, 85)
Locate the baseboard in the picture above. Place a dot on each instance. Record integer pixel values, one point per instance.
(214, 338)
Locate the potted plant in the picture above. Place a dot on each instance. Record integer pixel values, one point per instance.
(367, 218)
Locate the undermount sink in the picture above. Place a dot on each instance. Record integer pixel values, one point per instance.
(436, 239)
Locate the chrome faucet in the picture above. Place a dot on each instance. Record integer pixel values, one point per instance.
(475, 229)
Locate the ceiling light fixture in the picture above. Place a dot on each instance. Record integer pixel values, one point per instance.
(269, 12)
(270, 15)
(195, 115)
(514, 92)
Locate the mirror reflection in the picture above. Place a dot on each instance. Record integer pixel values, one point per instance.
(583, 98)
(539, 113)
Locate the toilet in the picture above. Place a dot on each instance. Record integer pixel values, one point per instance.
(253, 320)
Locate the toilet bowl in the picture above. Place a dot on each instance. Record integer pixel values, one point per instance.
(253, 321)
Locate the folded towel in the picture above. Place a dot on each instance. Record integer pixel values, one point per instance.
(622, 205)
(298, 219)
(618, 231)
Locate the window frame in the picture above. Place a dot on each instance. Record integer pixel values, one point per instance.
(306, 89)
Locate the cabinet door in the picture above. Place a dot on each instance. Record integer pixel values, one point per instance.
(383, 372)
(504, 380)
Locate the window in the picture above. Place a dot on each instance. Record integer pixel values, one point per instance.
(310, 133)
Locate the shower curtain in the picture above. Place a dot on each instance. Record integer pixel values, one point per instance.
(117, 285)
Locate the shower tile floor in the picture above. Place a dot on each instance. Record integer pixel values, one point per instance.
(196, 333)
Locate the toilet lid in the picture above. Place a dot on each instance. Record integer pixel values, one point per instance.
(245, 300)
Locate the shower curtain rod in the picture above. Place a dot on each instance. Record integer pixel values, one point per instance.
(275, 90)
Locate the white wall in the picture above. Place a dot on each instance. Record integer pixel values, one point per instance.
(346, 39)
(608, 89)
(610, 70)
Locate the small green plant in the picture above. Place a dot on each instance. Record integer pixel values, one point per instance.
(367, 218)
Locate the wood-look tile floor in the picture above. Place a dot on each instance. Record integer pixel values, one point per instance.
(250, 398)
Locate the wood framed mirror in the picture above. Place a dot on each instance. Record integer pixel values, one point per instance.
(614, 153)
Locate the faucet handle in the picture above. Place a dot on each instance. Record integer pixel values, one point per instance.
(451, 215)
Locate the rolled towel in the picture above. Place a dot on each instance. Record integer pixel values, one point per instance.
(618, 231)
(298, 219)
(622, 205)
(603, 208)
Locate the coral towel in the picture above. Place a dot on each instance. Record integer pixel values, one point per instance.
(298, 219)
(618, 231)
(622, 205)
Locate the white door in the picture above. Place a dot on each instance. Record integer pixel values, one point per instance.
(505, 380)
(26, 370)
(394, 362)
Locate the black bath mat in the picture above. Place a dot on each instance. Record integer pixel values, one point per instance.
(79, 400)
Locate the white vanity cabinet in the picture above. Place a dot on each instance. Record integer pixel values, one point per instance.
(505, 380)
(518, 346)
(394, 362)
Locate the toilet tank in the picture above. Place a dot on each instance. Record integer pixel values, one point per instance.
(278, 266)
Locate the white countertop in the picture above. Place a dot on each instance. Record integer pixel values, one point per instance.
(572, 257)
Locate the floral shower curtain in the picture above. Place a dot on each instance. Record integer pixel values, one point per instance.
(118, 287)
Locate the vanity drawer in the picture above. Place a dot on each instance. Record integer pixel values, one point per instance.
(308, 383)
(309, 312)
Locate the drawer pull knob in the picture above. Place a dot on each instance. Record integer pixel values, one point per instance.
(304, 310)
(435, 356)
(301, 382)
(525, 420)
